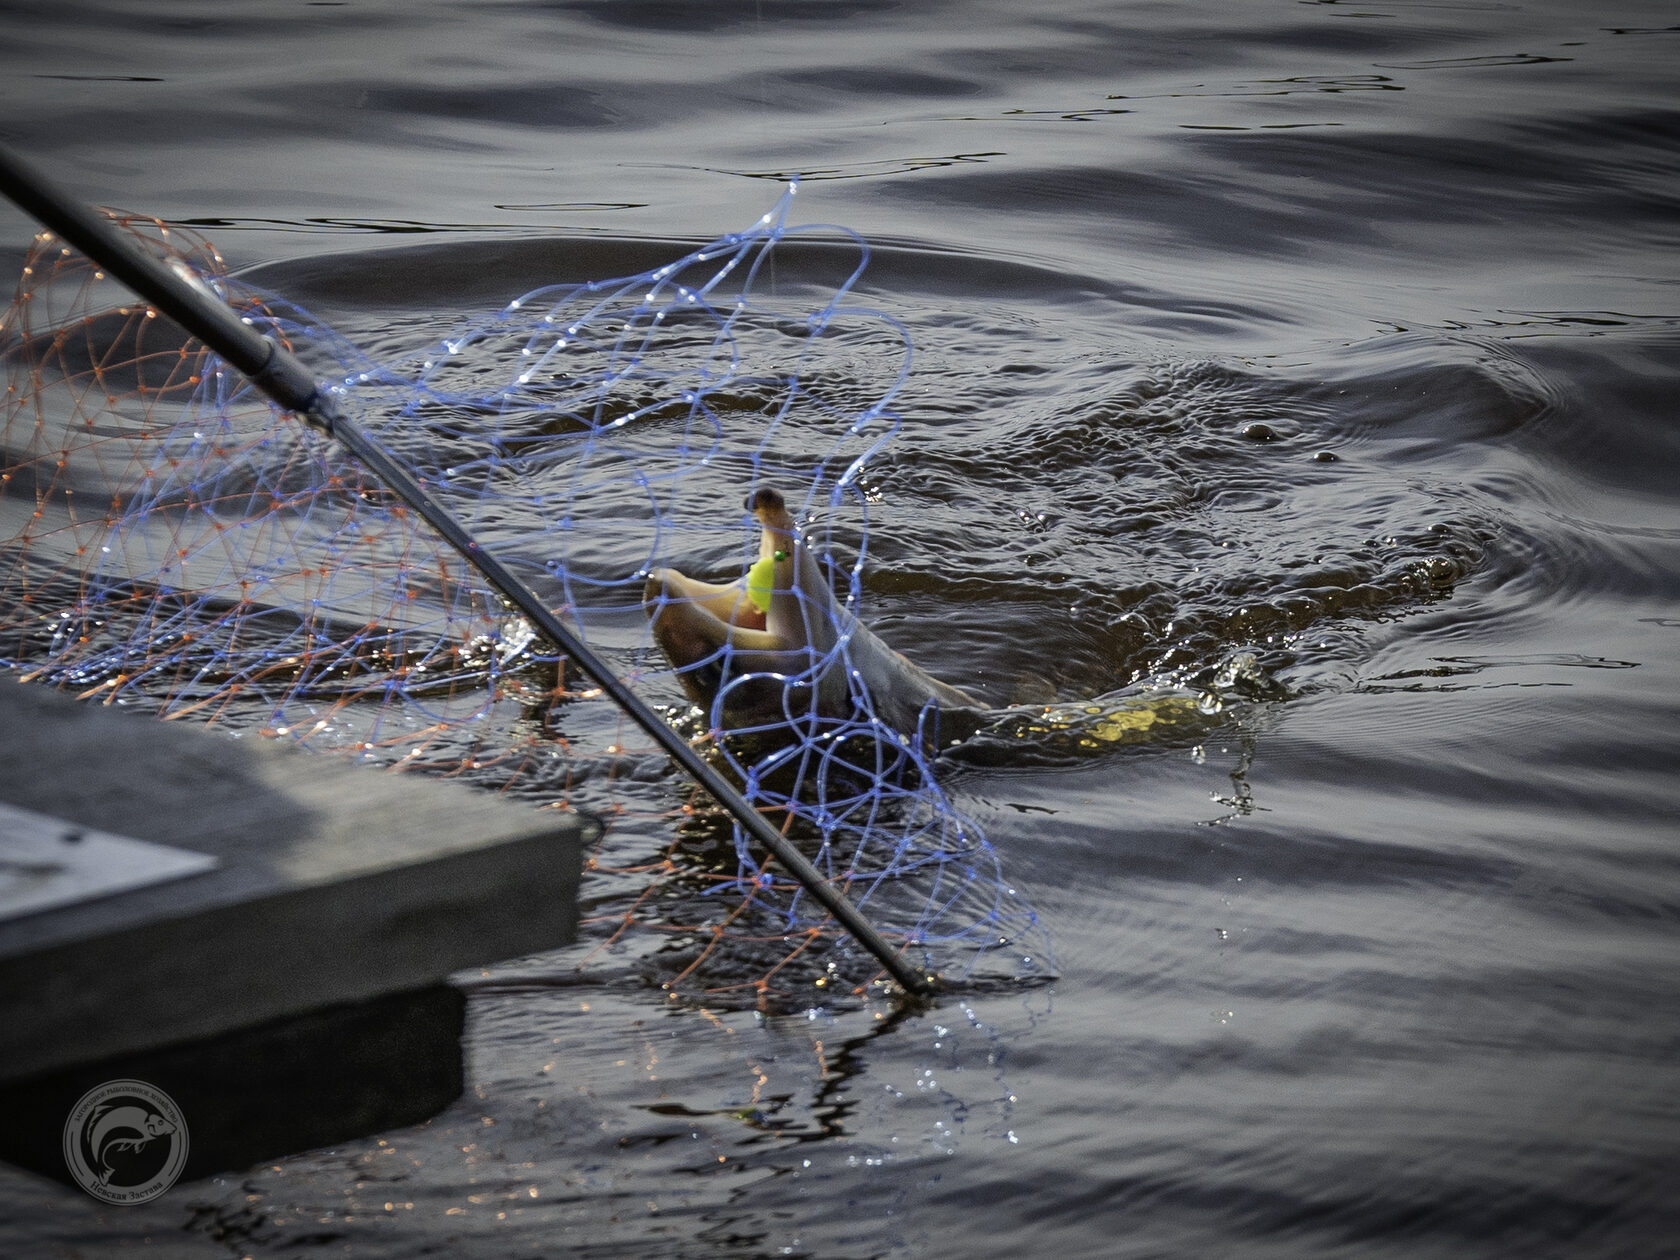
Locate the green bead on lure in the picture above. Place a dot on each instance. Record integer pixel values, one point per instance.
(761, 580)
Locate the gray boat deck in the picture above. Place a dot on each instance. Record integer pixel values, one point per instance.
(322, 883)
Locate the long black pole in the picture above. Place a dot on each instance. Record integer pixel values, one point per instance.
(273, 369)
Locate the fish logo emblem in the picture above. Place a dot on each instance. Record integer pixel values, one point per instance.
(125, 1142)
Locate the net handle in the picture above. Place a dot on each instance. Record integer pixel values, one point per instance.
(277, 373)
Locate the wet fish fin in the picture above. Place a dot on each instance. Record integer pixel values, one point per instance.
(1031, 688)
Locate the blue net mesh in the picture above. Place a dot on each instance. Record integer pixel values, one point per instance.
(168, 540)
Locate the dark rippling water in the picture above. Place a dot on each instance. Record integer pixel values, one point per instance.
(1332, 345)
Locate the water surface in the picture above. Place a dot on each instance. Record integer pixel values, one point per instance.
(1318, 355)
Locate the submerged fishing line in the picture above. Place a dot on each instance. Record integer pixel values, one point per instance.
(172, 541)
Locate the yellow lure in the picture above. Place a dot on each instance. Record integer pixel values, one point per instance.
(761, 580)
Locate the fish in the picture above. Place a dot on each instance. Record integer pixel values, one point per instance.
(794, 656)
(786, 657)
(111, 1121)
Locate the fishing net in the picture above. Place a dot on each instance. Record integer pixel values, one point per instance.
(172, 542)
